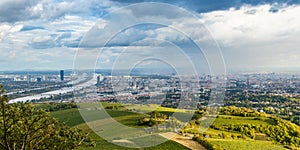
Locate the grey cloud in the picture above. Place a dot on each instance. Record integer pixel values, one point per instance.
(83, 8)
(22, 10)
(59, 39)
(65, 30)
(54, 40)
(12, 11)
(29, 28)
(145, 10)
(204, 6)
(42, 42)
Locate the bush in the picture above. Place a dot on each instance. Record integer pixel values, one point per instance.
(201, 139)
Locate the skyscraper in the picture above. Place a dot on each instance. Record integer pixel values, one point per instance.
(62, 75)
(38, 79)
(98, 80)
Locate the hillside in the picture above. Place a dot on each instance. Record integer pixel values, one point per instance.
(73, 118)
(235, 128)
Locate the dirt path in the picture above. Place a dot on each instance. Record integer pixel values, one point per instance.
(186, 141)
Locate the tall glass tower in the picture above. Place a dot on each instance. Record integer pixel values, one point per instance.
(62, 75)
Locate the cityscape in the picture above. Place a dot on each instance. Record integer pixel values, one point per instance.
(149, 75)
(266, 93)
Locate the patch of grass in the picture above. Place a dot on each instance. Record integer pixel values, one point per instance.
(234, 120)
(104, 144)
(152, 107)
(229, 144)
(70, 116)
(215, 133)
(130, 120)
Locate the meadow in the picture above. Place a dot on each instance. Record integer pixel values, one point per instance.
(218, 135)
(245, 144)
(73, 118)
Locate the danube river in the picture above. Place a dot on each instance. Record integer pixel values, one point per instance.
(64, 90)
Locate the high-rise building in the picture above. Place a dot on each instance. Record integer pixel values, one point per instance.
(38, 79)
(29, 78)
(98, 80)
(62, 73)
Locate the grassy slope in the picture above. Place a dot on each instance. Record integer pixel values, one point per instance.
(242, 144)
(103, 144)
(73, 118)
(70, 116)
(230, 144)
(224, 119)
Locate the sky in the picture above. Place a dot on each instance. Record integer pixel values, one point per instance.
(250, 35)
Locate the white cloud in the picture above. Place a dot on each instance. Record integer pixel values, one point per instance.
(263, 26)
(261, 39)
(42, 42)
(6, 29)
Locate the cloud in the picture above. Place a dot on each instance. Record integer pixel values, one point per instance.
(262, 26)
(45, 30)
(260, 39)
(12, 11)
(52, 10)
(6, 29)
(17, 10)
(241, 34)
(204, 6)
(42, 42)
(252, 34)
(29, 27)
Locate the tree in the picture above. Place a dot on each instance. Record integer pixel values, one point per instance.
(22, 126)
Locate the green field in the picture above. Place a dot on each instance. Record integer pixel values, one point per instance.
(128, 115)
(225, 119)
(222, 137)
(73, 118)
(105, 145)
(230, 144)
